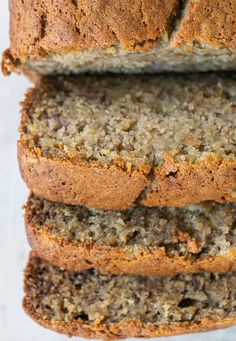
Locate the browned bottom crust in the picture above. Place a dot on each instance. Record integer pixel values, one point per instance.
(113, 188)
(115, 330)
(75, 256)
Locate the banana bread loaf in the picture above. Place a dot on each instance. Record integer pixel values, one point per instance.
(91, 305)
(142, 241)
(111, 142)
(129, 36)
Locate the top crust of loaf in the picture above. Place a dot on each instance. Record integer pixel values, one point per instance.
(112, 188)
(42, 28)
(45, 26)
(211, 21)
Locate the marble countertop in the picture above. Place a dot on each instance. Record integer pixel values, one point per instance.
(14, 324)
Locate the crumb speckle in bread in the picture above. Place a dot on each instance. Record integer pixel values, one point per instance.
(92, 305)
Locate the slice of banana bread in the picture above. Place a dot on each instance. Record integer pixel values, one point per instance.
(142, 241)
(110, 142)
(91, 305)
(126, 36)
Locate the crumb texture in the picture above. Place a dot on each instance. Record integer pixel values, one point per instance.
(57, 295)
(136, 119)
(158, 59)
(197, 230)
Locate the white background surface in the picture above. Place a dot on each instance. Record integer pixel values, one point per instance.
(14, 324)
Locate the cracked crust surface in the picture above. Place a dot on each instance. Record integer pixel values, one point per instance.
(85, 304)
(87, 24)
(143, 241)
(113, 142)
(110, 30)
(207, 21)
(112, 188)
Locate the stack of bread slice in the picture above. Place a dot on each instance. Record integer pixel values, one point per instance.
(132, 211)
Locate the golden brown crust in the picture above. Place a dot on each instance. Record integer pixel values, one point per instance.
(8, 63)
(132, 328)
(212, 22)
(112, 188)
(212, 179)
(75, 256)
(42, 28)
(38, 28)
(70, 181)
